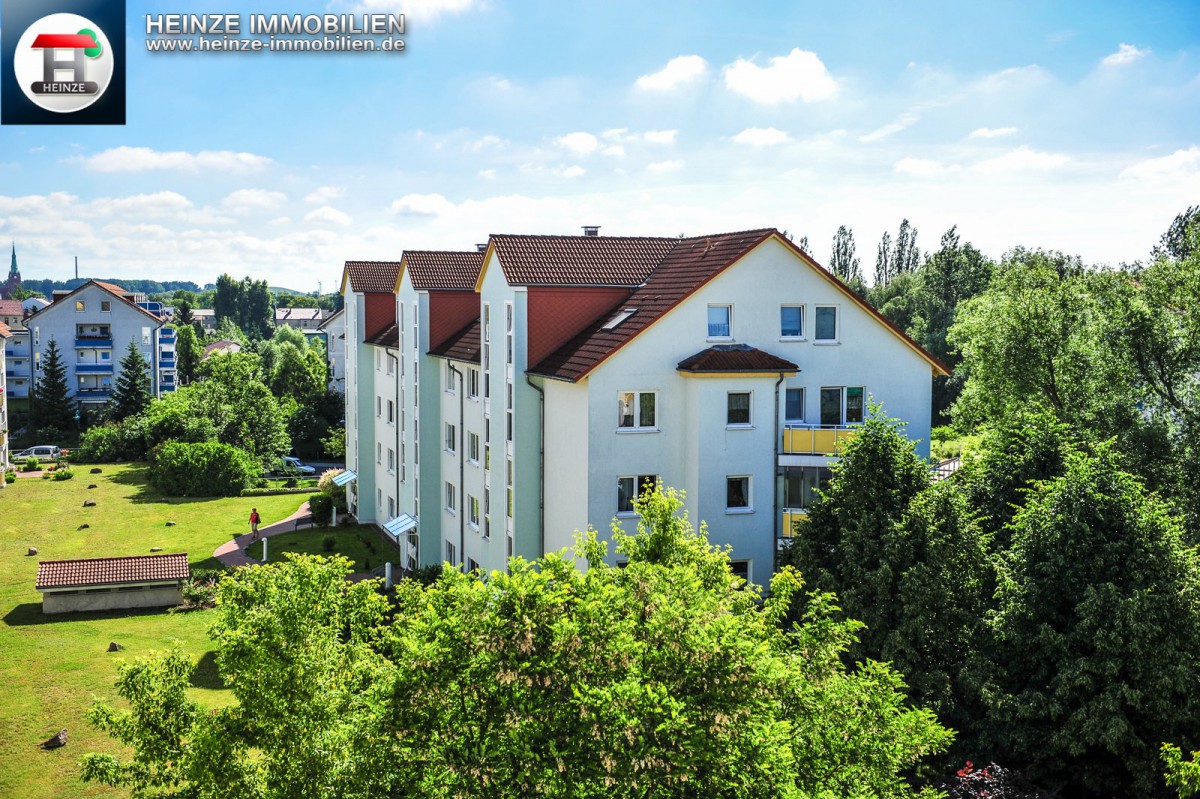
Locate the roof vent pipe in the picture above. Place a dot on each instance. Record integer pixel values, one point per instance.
(591, 230)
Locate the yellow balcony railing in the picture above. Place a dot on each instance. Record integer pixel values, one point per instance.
(814, 440)
(790, 517)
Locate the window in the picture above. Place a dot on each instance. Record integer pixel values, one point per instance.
(451, 437)
(79, 306)
(827, 323)
(509, 479)
(630, 488)
(473, 447)
(105, 305)
(36, 336)
(841, 406)
(791, 321)
(379, 406)
(720, 321)
(451, 553)
(105, 355)
(508, 413)
(737, 493)
(391, 461)
(391, 406)
(801, 484)
(793, 405)
(636, 410)
(472, 565)
(449, 377)
(378, 452)
(487, 514)
(379, 497)
(473, 511)
(450, 497)
(508, 333)
(473, 384)
(145, 335)
(391, 367)
(737, 409)
(391, 507)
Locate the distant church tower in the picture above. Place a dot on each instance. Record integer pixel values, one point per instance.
(14, 277)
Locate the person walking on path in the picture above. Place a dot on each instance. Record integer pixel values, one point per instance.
(254, 519)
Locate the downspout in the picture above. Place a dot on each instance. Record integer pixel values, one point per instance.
(775, 519)
(541, 465)
(462, 464)
(396, 423)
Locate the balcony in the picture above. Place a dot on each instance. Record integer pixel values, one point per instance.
(94, 368)
(166, 334)
(166, 363)
(94, 393)
(790, 517)
(815, 439)
(87, 342)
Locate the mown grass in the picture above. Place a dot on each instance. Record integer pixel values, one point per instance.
(52, 667)
(360, 544)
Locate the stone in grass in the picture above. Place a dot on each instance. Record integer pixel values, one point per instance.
(56, 740)
(91, 485)
(115, 647)
(156, 549)
(83, 527)
(89, 503)
(170, 524)
(32, 551)
(97, 470)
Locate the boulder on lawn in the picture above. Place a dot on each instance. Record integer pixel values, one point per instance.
(32, 551)
(170, 524)
(83, 527)
(115, 647)
(97, 470)
(91, 485)
(56, 740)
(156, 549)
(89, 503)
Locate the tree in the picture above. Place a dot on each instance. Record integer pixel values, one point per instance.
(1097, 633)
(259, 318)
(662, 679)
(1182, 775)
(183, 314)
(188, 353)
(52, 412)
(843, 262)
(228, 300)
(131, 392)
(1182, 239)
(884, 267)
(907, 256)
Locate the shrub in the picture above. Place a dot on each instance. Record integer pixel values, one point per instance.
(31, 465)
(45, 475)
(325, 481)
(112, 441)
(63, 474)
(321, 508)
(10, 477)
(201, 470)
(290, 483)
(268, 492)
(328, 543)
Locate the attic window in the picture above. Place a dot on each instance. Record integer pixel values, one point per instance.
(619, 317)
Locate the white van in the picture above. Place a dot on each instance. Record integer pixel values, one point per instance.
(45, 452)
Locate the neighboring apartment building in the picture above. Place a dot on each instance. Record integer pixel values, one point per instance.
(5, 336)
(539, 394)
(18, 356)
(93, 325)
(334, 328)
(306, 319)
(207, 319)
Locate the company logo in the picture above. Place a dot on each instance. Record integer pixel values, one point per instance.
(63, 63)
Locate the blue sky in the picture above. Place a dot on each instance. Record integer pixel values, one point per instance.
(1071, 126)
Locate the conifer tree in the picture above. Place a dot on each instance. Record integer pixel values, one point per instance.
(52, 411)
(131, 395)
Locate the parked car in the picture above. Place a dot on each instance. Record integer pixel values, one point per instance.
(43, 452)
(293, 466)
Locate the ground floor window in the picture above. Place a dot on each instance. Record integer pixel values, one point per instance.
(737, 493)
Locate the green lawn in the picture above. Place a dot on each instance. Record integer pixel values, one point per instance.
(352, 542)
(51, 667)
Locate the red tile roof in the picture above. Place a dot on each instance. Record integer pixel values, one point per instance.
(298, 313)
(684, 268)
(735, 358)
(389, 336)
(110, 571)
(462, 346)
(433, 269)
(372, 276)
(112, 288)
(4, 330)
(579, 260)
(11, 308)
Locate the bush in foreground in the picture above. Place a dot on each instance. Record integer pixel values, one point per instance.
(202, 470)
(667, 678)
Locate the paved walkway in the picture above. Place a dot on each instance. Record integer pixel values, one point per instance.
(232, 553)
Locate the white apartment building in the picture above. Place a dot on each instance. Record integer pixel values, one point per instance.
(334, 328)
(18, 356)
(5, 336)
(540, 399)
(92, 327)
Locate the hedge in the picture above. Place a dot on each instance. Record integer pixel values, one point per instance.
(202, 470)
(266, 492)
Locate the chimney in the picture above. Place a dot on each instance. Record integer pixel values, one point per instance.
(591, 231)
(481, 247)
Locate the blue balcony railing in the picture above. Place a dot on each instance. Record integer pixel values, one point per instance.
(93, 368)
(93, 343)
(94, 393)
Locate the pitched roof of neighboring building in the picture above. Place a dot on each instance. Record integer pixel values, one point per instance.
(387, 337)
(431, 270)
(224, 345)
(578, 260)
(11, 308)
(283, 314)
(203, 312)
(4, 330)
(109, 571)
(325, 322)
(369, 277)
(735, 358)
(462, 346)
(688, 265)
(111, 288)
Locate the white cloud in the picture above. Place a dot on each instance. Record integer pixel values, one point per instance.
(899, 124)
(613, 151)
(922, 167)
(485, 143)
(41, 148)
(572, 171)
(678, 72)
(1179, 164)
(422, 205)
(992, 133)
(619, 134)
(762, 137)
(142, 159)
(325, 194)
(659, 167)
(1022, 159)
(799, 75)
(1126, 54)
(250, 199)
(487, 174)
(427, 10)
(660, 136)
(328, 215)
(579, 143)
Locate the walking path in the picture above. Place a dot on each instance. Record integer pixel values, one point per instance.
(232, 553)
